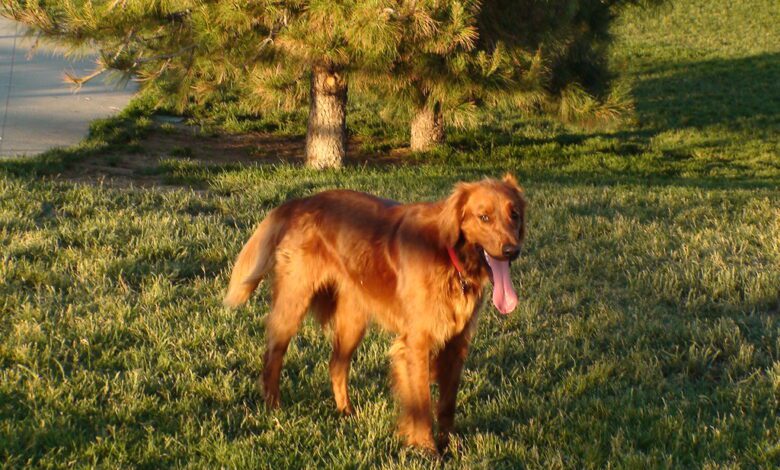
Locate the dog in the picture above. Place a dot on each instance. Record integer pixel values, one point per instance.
(417, 270)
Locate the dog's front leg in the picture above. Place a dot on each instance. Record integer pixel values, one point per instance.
(411, 376)
(448, 365)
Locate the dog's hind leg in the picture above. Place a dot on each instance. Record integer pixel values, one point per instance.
(349, 326)
(291, 300)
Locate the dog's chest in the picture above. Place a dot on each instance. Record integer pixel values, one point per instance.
(462, 304)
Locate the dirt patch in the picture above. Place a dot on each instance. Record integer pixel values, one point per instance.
(136, 167)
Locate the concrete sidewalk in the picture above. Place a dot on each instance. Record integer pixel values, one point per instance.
(43, 111)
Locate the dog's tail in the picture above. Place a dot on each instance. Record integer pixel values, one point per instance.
(254, 261)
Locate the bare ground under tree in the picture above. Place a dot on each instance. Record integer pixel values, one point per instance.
(135, 166)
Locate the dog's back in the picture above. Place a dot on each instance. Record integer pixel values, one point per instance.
(341, 228)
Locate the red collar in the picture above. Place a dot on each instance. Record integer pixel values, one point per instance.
(458, 268)
(455, 260)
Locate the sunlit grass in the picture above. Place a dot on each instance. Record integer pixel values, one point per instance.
(648, 333)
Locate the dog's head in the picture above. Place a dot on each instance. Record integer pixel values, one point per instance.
(491, 215)
(488, 213)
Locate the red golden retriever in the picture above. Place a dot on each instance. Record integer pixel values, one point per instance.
(418, 270)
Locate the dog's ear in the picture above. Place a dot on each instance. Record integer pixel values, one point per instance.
(451, 216)
(510, 180)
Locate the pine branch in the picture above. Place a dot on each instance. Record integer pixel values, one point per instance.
(172, 55)
(79, 82)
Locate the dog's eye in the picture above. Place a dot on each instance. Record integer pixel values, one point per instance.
(514, 215)
(484, 218)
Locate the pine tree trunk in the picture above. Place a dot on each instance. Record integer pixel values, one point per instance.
(326, 135)
(427, 128)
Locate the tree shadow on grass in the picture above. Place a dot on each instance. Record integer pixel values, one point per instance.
(742, 94)
(193, 174)
(705, 101)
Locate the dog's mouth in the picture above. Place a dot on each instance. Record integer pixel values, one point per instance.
(504, 295)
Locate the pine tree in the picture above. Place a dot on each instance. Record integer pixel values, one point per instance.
(200, 50)
(569, 37)
(436, 68)
(434, 61)
(331, 40)
(537, 55)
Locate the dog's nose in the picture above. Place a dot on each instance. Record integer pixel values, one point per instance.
(510, 251)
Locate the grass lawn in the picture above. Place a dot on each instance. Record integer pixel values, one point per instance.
(648, 333)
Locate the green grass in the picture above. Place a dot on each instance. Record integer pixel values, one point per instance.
(648, 335)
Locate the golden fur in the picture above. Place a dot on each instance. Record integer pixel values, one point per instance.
(351, 258)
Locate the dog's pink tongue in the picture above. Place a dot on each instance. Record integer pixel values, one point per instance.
(504, 295)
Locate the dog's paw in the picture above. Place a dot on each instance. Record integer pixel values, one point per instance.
(346, 411)
(449, 445)
(271, 402)
(422, 442)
